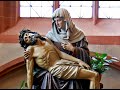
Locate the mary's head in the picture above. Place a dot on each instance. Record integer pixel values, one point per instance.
(62, 17)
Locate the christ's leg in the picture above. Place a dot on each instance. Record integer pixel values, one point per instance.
(92, 76)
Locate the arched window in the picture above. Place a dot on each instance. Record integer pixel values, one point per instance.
(36, 8)
(78, 9)
(109, 9)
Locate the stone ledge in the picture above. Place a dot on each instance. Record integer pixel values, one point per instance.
(115, 65)
(101, 40)
(18, 62)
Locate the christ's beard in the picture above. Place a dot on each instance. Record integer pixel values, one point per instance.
(33, 40)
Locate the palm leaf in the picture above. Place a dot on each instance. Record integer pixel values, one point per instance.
(22, 84)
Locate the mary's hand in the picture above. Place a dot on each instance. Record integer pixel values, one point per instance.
(68, 46)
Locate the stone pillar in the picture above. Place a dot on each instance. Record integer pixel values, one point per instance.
(1, 16)
(9, 14)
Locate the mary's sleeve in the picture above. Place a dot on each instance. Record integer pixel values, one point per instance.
(82, 51)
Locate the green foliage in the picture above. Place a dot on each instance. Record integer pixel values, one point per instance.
(98, 63)
(23, 85)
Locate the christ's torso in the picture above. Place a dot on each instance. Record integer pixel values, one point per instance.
(46, 55)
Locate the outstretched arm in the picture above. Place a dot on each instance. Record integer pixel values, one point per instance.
(29, 67)
(71, 58)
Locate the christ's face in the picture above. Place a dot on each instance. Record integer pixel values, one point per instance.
(29, 38)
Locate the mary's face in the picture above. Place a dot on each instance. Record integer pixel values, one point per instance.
(29, 38)
(59, 23)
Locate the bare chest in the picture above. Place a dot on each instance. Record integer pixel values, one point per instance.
(40, 51)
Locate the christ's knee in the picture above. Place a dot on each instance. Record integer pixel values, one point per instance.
(95, 76)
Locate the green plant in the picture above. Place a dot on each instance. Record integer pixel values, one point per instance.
(23, 85)
(99, 62)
